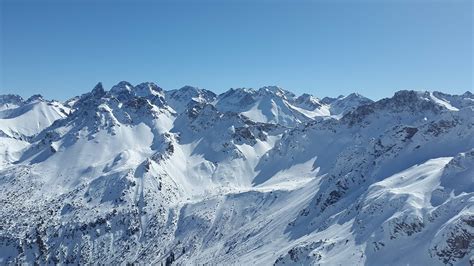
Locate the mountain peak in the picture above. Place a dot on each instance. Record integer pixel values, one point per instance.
(11, 99)
(122, 86)
(98, 89)
(308, 101)
(307, 97)
(238, 91)
(180, 99)
(407, 95)
(35, 98)
(413, 100)
(148, 89)
(275, 90)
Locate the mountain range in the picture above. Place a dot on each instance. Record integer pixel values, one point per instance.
(139, 174)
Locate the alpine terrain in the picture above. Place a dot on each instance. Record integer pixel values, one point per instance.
(139, 174)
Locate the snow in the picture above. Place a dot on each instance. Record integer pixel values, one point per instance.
(138, 174)
(446, 104)
(30, 119)
(10, 150)
(323, 111)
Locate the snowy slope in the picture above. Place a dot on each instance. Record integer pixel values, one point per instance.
(22, 119)
(138, 174)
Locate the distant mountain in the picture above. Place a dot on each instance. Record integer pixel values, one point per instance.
(180, 99)
(277, 106)
(139, 174)
(21, 119)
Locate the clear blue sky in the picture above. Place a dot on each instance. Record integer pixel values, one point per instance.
(326, 48)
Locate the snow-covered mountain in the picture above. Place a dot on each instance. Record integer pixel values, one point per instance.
(138, 174)
(180, 99)
(20, 120)
(277, 106)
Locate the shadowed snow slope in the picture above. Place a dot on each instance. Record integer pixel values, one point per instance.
(138, 174)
